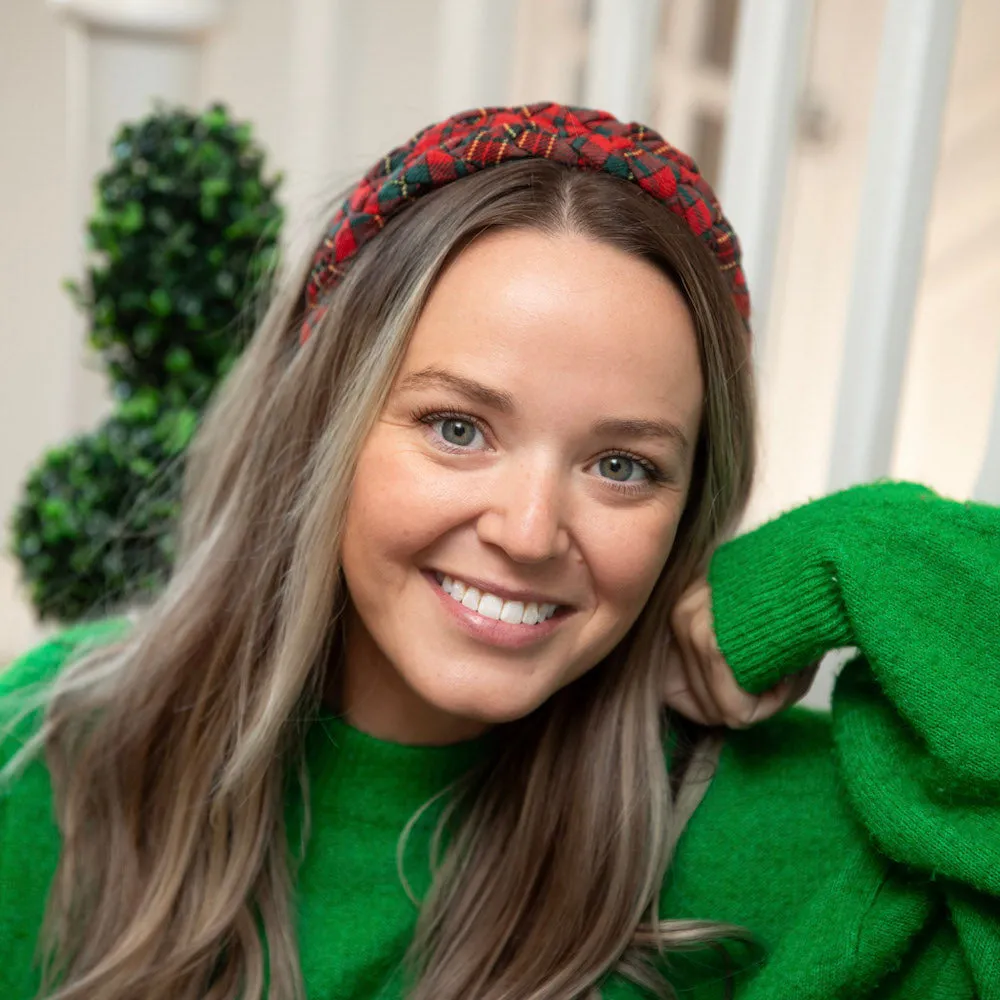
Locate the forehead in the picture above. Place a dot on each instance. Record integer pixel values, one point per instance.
(563, 315)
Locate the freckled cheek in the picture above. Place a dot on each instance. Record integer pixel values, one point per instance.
(627, 563)
(397, 504)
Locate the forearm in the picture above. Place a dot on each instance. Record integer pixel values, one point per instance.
(891, 568)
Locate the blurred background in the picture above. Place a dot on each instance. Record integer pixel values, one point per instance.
(855, 145)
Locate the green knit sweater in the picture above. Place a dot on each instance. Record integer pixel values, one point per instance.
(862, 848)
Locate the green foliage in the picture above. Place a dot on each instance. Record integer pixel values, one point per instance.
(94, 526)
(185, 235)
(186, 225)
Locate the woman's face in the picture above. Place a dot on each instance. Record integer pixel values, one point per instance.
(535, 451)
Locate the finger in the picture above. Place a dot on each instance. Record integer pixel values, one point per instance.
(691, 672)
(695, 671)
(734, 706)
(791, 690)
(772, 701)
(676, 693)
(802, 683)
(682, 703)
(737, 708)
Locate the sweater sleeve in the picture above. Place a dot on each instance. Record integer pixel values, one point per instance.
(913, 581)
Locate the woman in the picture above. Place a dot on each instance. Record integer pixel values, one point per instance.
(394, 727)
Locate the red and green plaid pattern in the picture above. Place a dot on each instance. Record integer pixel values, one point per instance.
(473, 140)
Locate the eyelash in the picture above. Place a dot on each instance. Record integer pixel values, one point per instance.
(655, 476)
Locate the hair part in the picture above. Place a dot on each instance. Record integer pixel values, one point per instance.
(173, 752)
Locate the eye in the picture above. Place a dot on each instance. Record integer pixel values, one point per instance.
(457, 430)
(629, 473)
(620, 468)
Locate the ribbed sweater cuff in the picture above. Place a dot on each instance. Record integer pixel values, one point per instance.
(776, 601)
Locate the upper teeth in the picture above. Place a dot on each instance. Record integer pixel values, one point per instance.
(491, 606)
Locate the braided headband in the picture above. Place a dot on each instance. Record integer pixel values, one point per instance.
(474, 140)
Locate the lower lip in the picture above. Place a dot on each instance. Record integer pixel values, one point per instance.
(490, 630)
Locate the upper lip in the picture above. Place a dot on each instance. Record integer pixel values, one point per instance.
(507, 593)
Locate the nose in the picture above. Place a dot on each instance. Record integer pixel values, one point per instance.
(526, 514)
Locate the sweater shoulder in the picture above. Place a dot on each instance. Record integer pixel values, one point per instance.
(43, 662)
(23, 683)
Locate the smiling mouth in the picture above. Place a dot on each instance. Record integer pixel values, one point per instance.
(495, 607)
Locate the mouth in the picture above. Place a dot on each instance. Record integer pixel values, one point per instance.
(490, 617)
(499, 605)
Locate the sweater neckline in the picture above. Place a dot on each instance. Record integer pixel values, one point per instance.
(413, 759)
(379, 780)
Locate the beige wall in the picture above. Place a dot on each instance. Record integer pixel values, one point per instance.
(955, 354)
(955, 347)
(328, 95)
(35, 316)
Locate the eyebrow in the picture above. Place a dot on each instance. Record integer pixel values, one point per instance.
(439, 378)
(503, 402)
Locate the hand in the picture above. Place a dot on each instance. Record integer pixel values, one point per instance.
(699, 683)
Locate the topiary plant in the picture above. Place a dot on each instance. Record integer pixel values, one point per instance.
(185, 226)
(184, 234)
(94, 527)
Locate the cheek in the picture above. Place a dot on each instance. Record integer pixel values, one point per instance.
(394, 507)
(627, 564)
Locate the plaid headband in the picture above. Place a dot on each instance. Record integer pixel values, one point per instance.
(474, 140)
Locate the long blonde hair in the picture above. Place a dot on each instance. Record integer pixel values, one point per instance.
(173, 751)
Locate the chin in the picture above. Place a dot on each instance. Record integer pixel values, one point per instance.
(488, 704)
